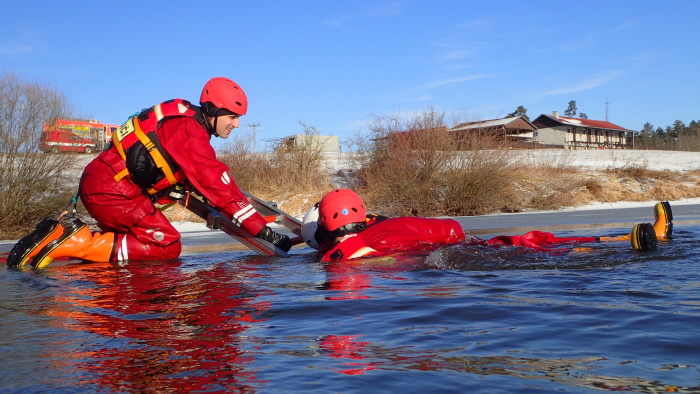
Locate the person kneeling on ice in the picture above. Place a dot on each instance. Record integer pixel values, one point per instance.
(155, 156)
(340, 229)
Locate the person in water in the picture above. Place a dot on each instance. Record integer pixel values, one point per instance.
(339, 227)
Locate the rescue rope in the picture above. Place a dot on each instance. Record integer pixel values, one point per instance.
(182, 211)
(65, 212)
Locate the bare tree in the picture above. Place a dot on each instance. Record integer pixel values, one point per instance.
(416, 167)
(32, 183)
(296, 165)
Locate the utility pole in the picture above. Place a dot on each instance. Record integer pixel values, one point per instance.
(255, 139)
(606, 109)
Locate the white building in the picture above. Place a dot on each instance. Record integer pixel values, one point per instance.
(325, 143)
(575, 133)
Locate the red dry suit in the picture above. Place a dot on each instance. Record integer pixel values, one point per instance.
(111, 195)
(396, 235)
(538, 240)
(410, 233)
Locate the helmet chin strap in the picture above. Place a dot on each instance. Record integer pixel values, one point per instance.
(211, 129)
(206, 110)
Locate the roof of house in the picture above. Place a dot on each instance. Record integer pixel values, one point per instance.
(596, 124)
(491, 123)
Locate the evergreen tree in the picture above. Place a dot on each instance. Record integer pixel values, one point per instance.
(571, 111)
(678, 128)
(520, 111)
(582, 116)
(670, 134)
(660, 132)
(675, 136)
(689, 138)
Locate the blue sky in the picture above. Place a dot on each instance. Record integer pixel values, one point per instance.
(335, 64)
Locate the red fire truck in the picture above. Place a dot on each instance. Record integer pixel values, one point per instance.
(75, 135)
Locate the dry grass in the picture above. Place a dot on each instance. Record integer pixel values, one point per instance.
(293, 175)
(418, 168)
(177, 213)
(566, 188)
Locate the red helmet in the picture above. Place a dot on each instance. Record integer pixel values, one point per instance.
(222, 93)
(341, 207)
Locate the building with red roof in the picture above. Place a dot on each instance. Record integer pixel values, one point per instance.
(576, 133)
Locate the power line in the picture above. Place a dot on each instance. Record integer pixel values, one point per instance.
(255, 139)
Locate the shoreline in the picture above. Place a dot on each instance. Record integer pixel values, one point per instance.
(197, 238)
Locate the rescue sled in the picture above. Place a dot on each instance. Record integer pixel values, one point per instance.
(218, 221)
(269, 209)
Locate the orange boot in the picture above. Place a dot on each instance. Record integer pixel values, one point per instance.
(663, 223)
(82, 244)
(47, 230)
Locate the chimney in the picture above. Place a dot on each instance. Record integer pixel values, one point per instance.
(555, 114)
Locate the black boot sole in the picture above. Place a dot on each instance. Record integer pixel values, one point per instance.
(643, 237)
(26, 245)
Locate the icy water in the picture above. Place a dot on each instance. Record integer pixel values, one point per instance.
(457, 319)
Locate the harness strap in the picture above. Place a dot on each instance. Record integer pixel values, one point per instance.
(118, 144)
(121, 174)
(152, 150)
(155, 154)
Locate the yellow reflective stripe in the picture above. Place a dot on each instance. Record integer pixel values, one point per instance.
(157, 156)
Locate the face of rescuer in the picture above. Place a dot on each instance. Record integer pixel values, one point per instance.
(225, 124)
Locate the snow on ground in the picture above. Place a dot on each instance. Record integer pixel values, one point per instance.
(189, 227)
(600, 159)
(628, 204)
(595, 159)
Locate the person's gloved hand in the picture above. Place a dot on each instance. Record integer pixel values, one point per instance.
(280, 240)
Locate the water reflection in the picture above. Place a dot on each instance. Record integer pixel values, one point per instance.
(161, 325)
(355, 355)
(349, 352)
(205, 324)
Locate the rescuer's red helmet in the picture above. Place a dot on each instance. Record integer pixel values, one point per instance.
(340, 208)
(222, 96)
